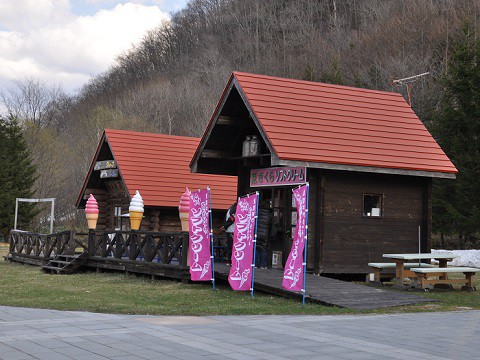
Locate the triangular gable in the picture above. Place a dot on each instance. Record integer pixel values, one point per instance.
(216, 119)
(102, 142)
(333, 127)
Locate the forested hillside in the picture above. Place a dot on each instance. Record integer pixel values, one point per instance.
(171, 81)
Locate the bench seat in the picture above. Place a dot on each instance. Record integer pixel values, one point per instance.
(445, 270)
(424, 276)
(387, 270)
(393, 265)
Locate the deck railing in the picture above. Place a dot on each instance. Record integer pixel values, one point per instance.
(146, 252)
(45, 246)
(144, 246)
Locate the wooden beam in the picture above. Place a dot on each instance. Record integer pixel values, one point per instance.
(216, 154)
(230, 120)
(358, 168)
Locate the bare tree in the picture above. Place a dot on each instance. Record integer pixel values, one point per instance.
(32, 100)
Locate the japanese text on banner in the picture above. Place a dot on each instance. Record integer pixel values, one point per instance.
(199, 234)
(240, 276)
(293, 273)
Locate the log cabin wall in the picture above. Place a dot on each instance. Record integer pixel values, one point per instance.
(117, 196)
(160, 219)
(167, 220)
(351, 240)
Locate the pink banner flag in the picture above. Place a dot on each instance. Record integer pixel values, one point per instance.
(199, 234)
(240, 277)
(293, 273)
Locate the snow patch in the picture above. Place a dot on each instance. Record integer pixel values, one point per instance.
(469, 258)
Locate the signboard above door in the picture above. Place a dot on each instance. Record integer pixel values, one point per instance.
(278, 176)
(106, 164)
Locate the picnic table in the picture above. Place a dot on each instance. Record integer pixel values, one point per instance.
(400, 259)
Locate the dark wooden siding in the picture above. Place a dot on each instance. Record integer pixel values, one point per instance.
(350, 240)
(312, 206)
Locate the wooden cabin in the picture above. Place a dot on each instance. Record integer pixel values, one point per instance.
(368, 158)
(158, 167)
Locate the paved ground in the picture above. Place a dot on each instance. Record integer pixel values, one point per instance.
(46, 334)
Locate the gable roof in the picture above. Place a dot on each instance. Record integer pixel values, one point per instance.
(158, 166)
(336, 127)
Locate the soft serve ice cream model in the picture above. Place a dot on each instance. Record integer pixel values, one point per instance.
(184, 209)
(91, 212)
(136, 211)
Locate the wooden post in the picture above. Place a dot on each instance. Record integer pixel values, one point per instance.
(184, 250)
(442, 263)
(399, 272)
(133, 245)
(165, 248)
(91, 243)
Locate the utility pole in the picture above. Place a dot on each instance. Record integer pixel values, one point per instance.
(409, 81)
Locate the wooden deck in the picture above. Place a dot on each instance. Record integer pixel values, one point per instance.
(331, 292)
(161, 254)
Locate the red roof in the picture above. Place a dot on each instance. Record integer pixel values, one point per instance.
(158, 167)
(323, 123)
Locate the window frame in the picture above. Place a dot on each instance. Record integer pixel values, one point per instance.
(379, 203)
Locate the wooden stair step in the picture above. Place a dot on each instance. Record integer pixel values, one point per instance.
(46, 267)
(60, 262)
(66, 264)
(68, 257)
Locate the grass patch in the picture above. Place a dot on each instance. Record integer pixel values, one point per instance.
(28, 286)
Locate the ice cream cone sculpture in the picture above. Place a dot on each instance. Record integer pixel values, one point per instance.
(91, 212)
(184, 209)
(136, 211)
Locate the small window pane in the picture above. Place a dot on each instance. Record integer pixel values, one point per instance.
(372, 205)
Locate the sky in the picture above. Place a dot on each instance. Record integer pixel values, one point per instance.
(66, 42)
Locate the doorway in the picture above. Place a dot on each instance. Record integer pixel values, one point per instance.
(284, 219)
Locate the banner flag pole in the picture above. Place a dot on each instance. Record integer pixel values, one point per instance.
(255, 246)
(241, 274)
(212, 256)
(296, 265)
(306, 246)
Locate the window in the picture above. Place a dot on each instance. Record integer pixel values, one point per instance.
(119, 221)
(373, 205)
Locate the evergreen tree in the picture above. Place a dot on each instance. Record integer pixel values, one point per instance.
(17, 176)
(456, 125)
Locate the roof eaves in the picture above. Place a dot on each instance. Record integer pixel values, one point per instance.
(368, 169)
(254, 117)
(116, 162)
(79, 197)
(211, 125)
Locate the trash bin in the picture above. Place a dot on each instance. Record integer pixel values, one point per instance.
(277, 260)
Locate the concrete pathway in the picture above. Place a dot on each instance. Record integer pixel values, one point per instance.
(54, 335)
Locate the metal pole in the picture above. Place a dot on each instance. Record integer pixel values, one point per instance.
(419, 242)
(16, 214)
(306, 247)
(51, 216)
(212, 255)
(255, 245)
